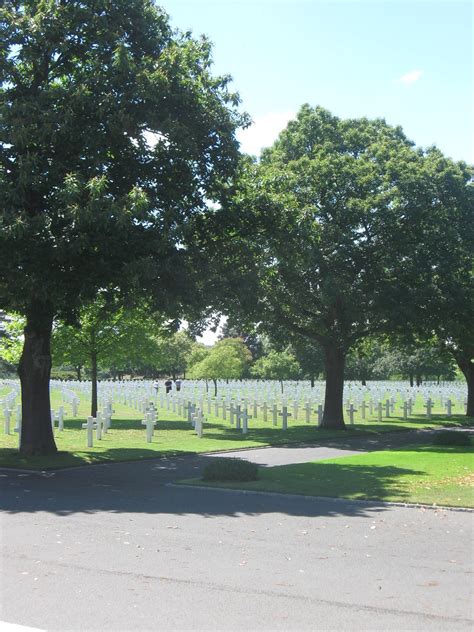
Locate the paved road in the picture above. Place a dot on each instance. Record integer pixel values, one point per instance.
(115, 548)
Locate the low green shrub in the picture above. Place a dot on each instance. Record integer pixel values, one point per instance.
(230, 470)
(450, 437)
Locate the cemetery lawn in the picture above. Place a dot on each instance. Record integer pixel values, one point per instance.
(441, 475)
(126, 441)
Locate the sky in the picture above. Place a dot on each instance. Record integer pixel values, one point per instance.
(407, 61)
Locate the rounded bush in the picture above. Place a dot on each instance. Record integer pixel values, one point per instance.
(230, 470)
(451, 437)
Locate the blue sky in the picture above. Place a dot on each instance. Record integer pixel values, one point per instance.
(410, 62)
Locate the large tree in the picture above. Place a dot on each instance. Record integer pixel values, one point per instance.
(434, 296)
(326, 220)
(113, 136)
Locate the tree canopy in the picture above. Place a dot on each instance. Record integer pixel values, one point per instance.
(327, 220)
(114, 135)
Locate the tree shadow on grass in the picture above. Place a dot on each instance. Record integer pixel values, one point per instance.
(132, 424)
(356, 482)
(312, 436)
(437, 419)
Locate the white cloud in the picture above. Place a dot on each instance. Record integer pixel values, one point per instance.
(411, 77)
(263, 132)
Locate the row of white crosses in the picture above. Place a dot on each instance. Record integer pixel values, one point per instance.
(9, 404)
(236, 399)
(367, 398)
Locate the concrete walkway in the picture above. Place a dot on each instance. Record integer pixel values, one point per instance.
(114, 547)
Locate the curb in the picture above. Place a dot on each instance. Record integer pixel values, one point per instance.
(333, 499)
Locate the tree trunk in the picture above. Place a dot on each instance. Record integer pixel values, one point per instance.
(411, 379)
(364, 382)
(34, 369)
(312, 381)
(334, 361)
(467, 367)
(78, 372)
(419, 380)
(281, 384)
(94, 384)
(215, 388)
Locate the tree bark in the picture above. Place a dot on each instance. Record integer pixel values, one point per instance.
(312, 381)
(34, 369)
(78, 373)
(215, 387)
(334, 361)
(467, 367)
(411, 379)
(94, 384)
(419, 380)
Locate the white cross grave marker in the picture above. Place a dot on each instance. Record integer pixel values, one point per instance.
(351, 410)
(244, 418)
(449, 407)
(149, 422)
(90, 425)
(284, 417)
(428, 406)
(7, 414)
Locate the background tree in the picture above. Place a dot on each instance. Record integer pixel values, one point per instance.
(251, 339)
(365, 361)
(106, 334)
(11, 339)
(277, 365)
(328, 218)
(114, 135)
(228, 359)
(171, 354)
(199, 352)
(416, 361)
(309, 356)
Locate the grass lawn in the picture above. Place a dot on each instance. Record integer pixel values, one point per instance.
(173, 435)
(442, 475)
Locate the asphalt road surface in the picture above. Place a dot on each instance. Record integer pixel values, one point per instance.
(116, 548)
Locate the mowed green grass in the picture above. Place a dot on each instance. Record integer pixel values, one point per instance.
(441, 475)
(174, 435)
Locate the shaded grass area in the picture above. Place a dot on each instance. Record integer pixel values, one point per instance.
(127, 441)
(173, 435)
(415, 474)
